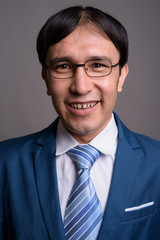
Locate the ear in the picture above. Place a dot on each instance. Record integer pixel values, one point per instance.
(122, 77)
(45, 78)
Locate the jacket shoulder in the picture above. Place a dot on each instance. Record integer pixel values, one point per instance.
(148, 144)
(12, 145)
(147, 140)
(25, 145)
(136, 140)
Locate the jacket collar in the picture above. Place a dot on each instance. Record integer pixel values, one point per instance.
(48, 135)
(125, 135)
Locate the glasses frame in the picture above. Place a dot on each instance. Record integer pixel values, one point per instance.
(85, 69)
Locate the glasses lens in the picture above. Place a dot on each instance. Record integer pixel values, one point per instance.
(61, 69)
(98, 67)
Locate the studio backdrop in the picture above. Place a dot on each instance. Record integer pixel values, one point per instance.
(24, 104)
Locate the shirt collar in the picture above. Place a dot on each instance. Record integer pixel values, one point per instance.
(105, 141)
(64, 140)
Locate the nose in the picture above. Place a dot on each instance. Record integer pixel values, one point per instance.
(81, 82)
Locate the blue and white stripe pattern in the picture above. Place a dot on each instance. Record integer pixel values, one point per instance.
(83, 214)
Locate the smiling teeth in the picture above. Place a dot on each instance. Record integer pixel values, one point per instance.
(83, 106)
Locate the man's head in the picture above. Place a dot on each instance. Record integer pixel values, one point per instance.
(83, 53)
(63, 23)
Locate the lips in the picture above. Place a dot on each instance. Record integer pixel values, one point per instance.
(83, 105)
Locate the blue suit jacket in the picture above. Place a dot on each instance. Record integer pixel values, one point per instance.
(29, 201)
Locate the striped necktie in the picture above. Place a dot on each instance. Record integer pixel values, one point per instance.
(83, 214)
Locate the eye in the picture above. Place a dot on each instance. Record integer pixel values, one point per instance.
(61, 67)
(97, 65)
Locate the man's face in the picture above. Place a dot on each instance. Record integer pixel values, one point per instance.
(84, 103)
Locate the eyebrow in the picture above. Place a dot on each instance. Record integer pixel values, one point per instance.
(99, 58)
(61, 59)
(70, 59)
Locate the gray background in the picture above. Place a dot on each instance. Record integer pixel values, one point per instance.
(24, 105)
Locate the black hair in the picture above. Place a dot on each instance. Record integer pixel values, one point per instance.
(66, 21)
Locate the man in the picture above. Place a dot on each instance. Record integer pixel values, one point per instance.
(83, 53)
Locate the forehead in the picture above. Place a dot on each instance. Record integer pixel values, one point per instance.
(84, 42)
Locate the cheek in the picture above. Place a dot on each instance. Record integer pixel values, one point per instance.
(109, 87)
(57, 89)
(57, 97)
(58, 94)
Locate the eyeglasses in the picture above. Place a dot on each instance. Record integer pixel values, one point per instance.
(93, 68)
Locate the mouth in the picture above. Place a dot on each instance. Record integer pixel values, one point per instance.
(83, 105)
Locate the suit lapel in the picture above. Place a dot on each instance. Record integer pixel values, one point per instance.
(47, 186)
(125, 168)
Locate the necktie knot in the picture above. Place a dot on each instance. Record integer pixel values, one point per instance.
(84, 155)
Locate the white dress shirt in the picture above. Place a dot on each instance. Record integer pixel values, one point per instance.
(101, 172)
